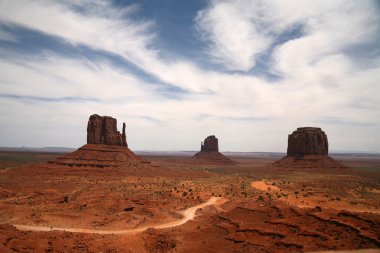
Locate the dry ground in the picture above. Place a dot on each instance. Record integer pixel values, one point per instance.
(266, 210)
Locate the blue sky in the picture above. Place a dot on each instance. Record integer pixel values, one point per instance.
(250, 72)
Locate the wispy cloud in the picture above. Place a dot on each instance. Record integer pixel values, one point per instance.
(48, 99)
(113, 62)
(236, 39)
(247, 119)
(97, 24)
(240, 31)
(343, 122)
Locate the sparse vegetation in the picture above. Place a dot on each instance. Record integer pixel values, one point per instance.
(109, 202)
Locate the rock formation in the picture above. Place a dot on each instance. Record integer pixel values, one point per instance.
(210, 152)
(103, 130)
(106, 147)
(307, 141)
(308, 148)
(210, 144)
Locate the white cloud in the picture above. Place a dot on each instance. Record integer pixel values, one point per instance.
(330, 29)
(320, 80)
(96, 24)
(239, 31)
(235, 36)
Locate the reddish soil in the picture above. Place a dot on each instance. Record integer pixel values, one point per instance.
(211, 157)
(310, 162)
(267, 209)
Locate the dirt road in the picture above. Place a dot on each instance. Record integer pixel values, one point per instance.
(188, 214)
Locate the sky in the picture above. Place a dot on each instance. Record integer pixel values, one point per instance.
(175, 71)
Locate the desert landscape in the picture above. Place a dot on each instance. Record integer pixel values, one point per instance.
(189, 126)
(105, 198)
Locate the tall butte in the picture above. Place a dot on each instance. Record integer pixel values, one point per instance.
(210, 152)
(308, 148)
(106, 147)
(103, 130)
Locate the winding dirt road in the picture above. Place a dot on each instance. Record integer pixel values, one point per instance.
(188, 214)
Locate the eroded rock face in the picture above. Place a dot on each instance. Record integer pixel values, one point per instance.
(308, 149)
(103, 130)
(210, 154)
(307, 141)
(210, 144)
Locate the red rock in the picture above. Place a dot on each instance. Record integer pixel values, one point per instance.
(103, 130)
(307, 141)
(210, 152)
(210, 144)
(106, 147)
(99, 155)
(308, 148)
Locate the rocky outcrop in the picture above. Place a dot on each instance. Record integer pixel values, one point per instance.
(210, 144)
(100, 156)
(210, 152)
(307, 141)
(308, 149)
(103, 130)
(106, 147)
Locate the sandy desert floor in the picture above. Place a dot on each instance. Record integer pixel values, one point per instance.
(177, 205)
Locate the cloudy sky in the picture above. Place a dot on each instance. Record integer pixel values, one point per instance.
(248, 71)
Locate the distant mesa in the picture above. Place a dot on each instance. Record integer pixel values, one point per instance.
(210, 144)
(210, 152)
(308, 148)
(308, 141)
(106, 147)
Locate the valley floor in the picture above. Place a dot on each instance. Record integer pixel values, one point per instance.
(258, 208)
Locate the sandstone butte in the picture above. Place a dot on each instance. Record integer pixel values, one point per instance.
(103, 130)
(210, 152)
(308, 148)
(106, 147)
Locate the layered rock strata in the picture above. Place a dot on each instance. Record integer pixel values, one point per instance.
(308, 148)
(106, 147)
(210, 144)
(103, 130)
(210, 152)
(307, 141)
